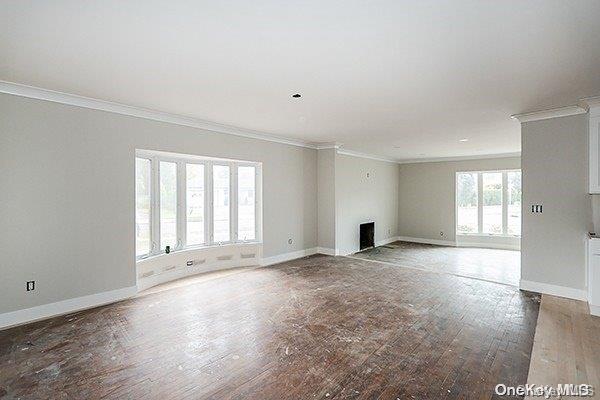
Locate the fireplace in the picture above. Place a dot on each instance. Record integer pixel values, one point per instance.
(367, 235)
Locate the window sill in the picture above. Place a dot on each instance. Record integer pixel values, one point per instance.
(196, 248)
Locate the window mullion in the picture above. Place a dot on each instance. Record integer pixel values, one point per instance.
(155, 200)
(504, 202)
(479, 202)
(233, 211)
(209, 223)
(181, 205)
(257, 201)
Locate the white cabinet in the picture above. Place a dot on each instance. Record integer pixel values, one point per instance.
(594, 144)
(594, 276)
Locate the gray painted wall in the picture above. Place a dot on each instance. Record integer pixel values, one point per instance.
(555, 170)
(326, 198)
(67, 195)
(361, 199)
(427, 195)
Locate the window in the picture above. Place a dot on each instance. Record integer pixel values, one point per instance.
(221, 203)
(168, 204)
(492, 202)
(467, 200)
(514, 203)
(143, 181)
(488, 203)
(246, 203)
(194, 174)
(189, 201)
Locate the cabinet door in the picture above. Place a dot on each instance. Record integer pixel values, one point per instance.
(594, 156)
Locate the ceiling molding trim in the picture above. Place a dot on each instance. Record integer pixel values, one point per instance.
(460, 158)
(18, 89)
(592, 104)
(364, 155)
(547, 114)
(323, 146)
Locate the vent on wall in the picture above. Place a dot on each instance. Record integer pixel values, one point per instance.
(223, 258)
(249, 255)
(147, 274)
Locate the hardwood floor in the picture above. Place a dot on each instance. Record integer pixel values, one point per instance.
(315, 328)
(502, 266)
(567, 344)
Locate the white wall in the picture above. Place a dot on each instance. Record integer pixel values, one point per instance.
(361, 199)
(326, 199)
(428, 192)
(555, 170)
(67, 195)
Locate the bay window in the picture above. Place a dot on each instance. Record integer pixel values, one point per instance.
(221, 209)
(189, 201)
(488, 203)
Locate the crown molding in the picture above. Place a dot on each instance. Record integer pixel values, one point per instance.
(547, 114)
(364, 155)
(460, 158)
(32, 92)
(323, 146)
(592, 104)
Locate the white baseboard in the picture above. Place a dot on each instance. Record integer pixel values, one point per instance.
(499, 246)
(44, 311)
(427, 241)
(595, 310)
(554, 290)
(287, 256)
(327, 251)
(389, 240)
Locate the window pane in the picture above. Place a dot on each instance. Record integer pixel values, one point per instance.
(168, 204)
(514, 203)
(194, 174)
(492, 202)
(246, 203)
(143, 179)
(221, 203)
(466, 198)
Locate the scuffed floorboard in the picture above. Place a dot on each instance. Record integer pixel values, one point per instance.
(315, 328)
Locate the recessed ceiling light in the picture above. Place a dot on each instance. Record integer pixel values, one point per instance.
(297, 95)
(463, 140)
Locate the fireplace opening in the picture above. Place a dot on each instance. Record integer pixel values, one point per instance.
(367, 235)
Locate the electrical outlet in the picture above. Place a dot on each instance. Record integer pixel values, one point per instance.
(290, 241)
(389, 231)
(441, 233)
(537, 208)
(189, 263)
(30, 286)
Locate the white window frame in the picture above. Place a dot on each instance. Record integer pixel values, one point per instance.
(181, 160)
(480, 232)
(256, 199)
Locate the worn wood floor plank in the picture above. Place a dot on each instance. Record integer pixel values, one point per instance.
(315, 328)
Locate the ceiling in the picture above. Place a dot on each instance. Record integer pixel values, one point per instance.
(397, 79)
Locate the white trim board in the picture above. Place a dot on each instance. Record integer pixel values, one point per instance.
(364, 155)
(489, 245)
(62, 307)
(279, 258)
(460, 158)
(389, 240)
(427, 241)
(595, 310)
(547, 114)
(327, 251)
(554, 290)
(140, 112)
